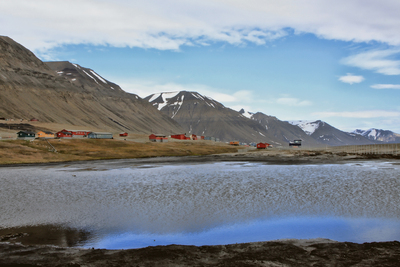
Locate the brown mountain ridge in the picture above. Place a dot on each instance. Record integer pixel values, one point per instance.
(66, 93)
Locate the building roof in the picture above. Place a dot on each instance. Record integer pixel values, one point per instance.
(77, 130)
(158, 135)
(99, 133)
(27, 132)
(46, 132)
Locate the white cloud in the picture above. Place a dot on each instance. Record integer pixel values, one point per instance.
(169, 24)
(293, 102)
(145, 88)
(350, 78)
(380, 61)
(359, 114)
(386, 86)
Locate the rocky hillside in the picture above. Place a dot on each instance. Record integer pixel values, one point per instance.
(202, 115)
(67, 93)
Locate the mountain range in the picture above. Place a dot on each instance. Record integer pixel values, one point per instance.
(385, 136)
(67, 93)
(203, 115)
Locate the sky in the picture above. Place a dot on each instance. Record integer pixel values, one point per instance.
(336, 61)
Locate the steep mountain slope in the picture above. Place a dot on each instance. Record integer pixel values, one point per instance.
(385, 136)
(69, 94)
(328, 135)
(202, 115)
(84, 78)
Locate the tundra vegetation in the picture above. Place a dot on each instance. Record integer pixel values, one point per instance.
(40, 151)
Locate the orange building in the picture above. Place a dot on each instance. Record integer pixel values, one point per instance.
(45, 135)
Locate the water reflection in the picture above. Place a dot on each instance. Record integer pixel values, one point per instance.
(194, 202)
(340, 229)
(46, 235)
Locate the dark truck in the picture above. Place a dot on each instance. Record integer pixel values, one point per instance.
(295, 143)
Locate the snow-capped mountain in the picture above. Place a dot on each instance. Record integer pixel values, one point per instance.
(284, 130)
(308, 127)
(202, 115)
(329, 135)
(379, 135)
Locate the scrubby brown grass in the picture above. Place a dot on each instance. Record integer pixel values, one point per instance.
(37, 151)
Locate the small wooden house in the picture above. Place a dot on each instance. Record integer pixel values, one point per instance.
(64, 135)
(77, 133)
(193, 137)
(124, 134)
(158, 138)
(100, 135)
(26, 135)
(234, 143)
(34, 119)
(45, 135)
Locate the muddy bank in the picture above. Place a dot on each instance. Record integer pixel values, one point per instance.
(284, 157)
(318, 252)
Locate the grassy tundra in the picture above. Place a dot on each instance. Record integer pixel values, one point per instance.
(40, 151)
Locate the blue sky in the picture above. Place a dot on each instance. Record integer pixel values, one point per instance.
(338, 61)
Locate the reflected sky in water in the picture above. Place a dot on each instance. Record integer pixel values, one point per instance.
(125, 204)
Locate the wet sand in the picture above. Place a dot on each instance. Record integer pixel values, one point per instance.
(316, 252)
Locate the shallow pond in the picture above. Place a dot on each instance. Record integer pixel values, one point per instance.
(128, 204)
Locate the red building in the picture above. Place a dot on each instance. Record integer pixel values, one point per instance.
(193, 137)
(73, 133)
(180, 136)
(262, 145)
(63, 134)
(123, 134)
(158, 138)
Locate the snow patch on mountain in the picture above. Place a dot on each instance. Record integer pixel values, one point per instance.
(98, 76)
(309, 127)
(90, 76)
(246, 114)
(198, 96)
(372, 134)
(164, 97)
(177, 104)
